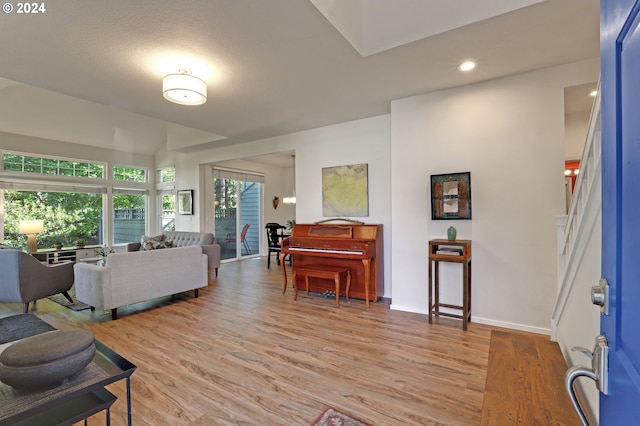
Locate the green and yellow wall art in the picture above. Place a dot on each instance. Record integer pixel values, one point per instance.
(345, 191)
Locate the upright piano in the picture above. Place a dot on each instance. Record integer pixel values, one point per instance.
(357, 246)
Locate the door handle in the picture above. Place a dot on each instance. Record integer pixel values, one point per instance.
(598, 373)
(600, 295)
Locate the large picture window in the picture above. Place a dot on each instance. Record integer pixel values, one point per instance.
(70, 196)
(67, 217)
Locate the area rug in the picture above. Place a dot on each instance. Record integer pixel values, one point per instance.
(16, 327)
(61, 300)
(333, 417)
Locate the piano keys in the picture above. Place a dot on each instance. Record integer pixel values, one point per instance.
(357, 246)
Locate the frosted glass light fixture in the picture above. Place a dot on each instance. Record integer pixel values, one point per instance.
(31, 227)
(184, 88)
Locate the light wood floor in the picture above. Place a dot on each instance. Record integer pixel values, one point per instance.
(243, 353)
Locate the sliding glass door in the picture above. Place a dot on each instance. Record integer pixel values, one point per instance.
(237, 213)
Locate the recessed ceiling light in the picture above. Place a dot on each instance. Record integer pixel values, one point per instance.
(593, 93)
(467, 66)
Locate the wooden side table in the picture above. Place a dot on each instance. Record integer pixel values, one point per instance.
(456, 251)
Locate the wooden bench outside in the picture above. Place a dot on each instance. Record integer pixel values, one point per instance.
(335, 273)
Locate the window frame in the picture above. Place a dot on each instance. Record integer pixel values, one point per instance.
(107, 185)
(165, 188)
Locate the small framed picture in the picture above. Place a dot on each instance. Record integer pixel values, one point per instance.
(451, 196)
(185, 201)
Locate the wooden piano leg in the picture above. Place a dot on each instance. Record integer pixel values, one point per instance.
(348, 285)
(367, 278)
(284, 274)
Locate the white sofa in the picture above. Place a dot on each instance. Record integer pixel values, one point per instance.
(206, 240)
(134, 277)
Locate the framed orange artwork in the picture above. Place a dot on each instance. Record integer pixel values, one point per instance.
(451, 196)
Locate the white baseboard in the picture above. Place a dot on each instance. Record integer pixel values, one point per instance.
(408, 309)
(485, 321)
(512, 325)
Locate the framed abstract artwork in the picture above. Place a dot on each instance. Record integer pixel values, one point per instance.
(451, 196)
(345, 190)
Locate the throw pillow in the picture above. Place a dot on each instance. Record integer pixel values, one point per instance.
(149, 243)
(155, 245)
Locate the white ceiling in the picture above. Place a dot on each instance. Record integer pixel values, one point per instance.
(373, 27)
(91, 72)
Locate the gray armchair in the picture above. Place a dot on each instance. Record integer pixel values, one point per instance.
(23, 279)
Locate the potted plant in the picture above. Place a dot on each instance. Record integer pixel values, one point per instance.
(290, 224)
(102, 251)
(57, 246)
(80, 243)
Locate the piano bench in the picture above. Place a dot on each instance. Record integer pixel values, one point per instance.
(335, 273)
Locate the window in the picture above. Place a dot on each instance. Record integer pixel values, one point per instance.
(68, 217)
(129, 205)
(13, 162)
(129, 216)
(74, 199)
(237, 209)
(167, 175)
(165, 189)
(168, 211)
(129, 174)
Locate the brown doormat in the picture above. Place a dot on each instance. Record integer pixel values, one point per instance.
(333, 417)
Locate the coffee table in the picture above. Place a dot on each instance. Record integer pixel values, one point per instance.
(81, 396)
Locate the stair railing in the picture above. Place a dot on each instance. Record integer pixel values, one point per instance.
(584, 210)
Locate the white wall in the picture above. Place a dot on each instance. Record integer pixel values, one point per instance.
(355, 142)
(509, 134)
(575, 132)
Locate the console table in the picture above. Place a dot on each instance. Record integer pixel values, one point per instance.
(78, 398)
(456, 251)
(65, 254)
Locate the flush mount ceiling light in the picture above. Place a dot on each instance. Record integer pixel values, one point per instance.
(467, 66)
(184, 88)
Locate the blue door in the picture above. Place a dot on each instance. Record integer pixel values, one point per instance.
(620, 85)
